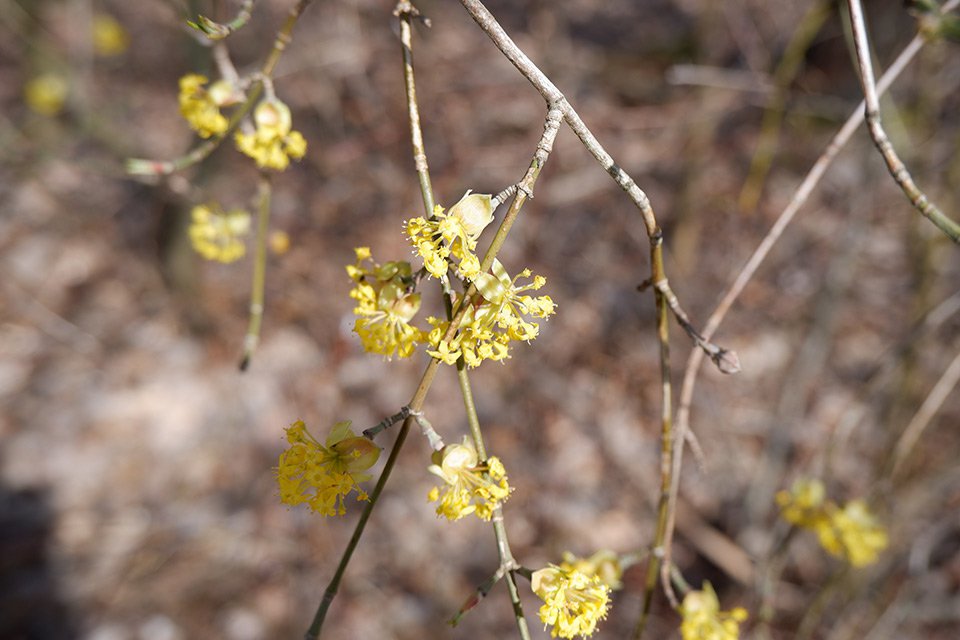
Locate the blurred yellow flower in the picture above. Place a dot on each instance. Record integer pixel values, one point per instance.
(46, 93)
(703, 619)
(217, 235)
(201, 107)
(851, 532)
(803, 504)
(279, 242)
(109, 37)
(274, 141)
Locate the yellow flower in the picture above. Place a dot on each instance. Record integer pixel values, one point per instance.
(322, 475)
(45, 94)
(803, 504)
(279, 242)
(852, 533)
(573, 602)
(385, 306)
(201, 107)
(109, 37)
(453, 233)
(505, 306)
(273, 142)
(217, 235)
(488, 328)
(604, 564)
(703, 619)
(470, 486)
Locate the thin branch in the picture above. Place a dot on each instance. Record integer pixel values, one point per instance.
(219, 31)
(331, 591)
(416, 403)
(406, 11)
(258, 283)
(556, 99)
(507, 561)
(747, 272)
(386, 423)
(924, 415)
(666, 448)
(896, 167)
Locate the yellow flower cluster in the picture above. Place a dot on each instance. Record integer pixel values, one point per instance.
(217, 235)
(274, 141)
(573, 602)
(488, 328)
(703, 619)
(201, 107)
(470, 486)
(46, 93)
(385, 306)
(851, 532)
(322, 475)
(453, 233)
(109, 36)
(604, 564)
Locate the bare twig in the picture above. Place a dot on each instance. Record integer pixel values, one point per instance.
(934, 400)
(897, 169)
(555, 97)
(507, 562)
(747, 272)
(406, 11)
(386, 423)
(258, 283)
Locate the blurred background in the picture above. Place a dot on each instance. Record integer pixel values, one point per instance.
(137, 497)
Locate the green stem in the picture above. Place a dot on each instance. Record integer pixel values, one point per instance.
(406, 11)
(507, 560)
(259, 273)
(666, 438)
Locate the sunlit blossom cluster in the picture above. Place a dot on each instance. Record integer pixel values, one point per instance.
(469, 484)
(451, 235)
(489, 325)
(385, 305)
(851, 532)
(322, 475)
(573, 601)
(218, 235)
(499, 313)
(703, 619)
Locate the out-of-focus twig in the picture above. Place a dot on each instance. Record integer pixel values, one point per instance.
(258, 283)
(554, 96)
(220, 30)
(897, 169)
(786, 71)
(934, 400)
(747, 272)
